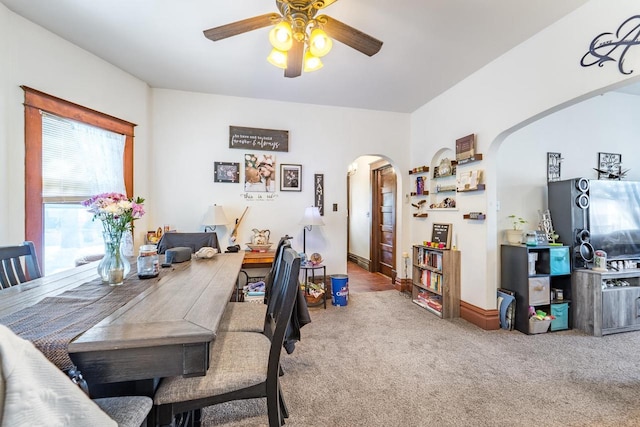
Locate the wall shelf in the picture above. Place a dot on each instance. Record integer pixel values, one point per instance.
(419, 169)
(478, 217)
(420, 215)
(474, 158)
(414, 194)
(480, 187)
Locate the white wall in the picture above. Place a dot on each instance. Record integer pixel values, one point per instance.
(534, 79)
(34, 57)
(606, 123)
(191, 132)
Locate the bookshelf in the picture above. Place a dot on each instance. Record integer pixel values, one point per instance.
(436, 280)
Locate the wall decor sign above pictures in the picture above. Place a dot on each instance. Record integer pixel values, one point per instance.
(613, 47)
(258, 139)
(226, 172)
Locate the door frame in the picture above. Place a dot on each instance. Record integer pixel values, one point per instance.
(374, 168)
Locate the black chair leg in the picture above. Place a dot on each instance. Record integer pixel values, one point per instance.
(283, 405)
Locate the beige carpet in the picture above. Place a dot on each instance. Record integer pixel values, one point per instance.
(383, 361)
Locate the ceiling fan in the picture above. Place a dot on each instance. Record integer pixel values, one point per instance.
(299, 37)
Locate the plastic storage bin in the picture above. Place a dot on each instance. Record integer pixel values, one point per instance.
(538, 326)
(561, 314)
(559, 260)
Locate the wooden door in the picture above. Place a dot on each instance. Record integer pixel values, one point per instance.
(383, 222)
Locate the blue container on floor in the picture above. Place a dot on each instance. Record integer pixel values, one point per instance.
(339, 290)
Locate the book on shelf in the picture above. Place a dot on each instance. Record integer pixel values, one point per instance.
(419, 185)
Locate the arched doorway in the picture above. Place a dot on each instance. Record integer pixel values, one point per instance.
(372, 203)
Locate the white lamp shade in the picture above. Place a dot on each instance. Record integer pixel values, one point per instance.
(311, 216)
(215, 216)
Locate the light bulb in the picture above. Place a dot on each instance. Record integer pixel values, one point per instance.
(311, 62)
(319, 43)
(278, 58)
(280, 36)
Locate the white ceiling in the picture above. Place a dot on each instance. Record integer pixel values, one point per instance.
(429, 45)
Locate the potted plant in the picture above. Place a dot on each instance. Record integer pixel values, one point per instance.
(514, 234)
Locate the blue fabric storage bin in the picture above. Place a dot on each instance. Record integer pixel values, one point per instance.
(559, 259)
(561, 314)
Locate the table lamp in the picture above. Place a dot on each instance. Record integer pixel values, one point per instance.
(311, 217)
(215, 216)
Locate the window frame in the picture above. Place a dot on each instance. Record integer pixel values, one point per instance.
(34, 102)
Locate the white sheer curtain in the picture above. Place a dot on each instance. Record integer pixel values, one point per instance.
(79, 160)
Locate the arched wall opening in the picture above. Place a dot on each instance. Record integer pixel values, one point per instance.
(359, 208)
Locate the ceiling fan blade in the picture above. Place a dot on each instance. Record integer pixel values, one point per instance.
(350, 36)
(239, 27)
(294, 60)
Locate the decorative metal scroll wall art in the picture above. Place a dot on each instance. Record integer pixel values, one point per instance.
(609, 166)
(553, 166)
(614, 47)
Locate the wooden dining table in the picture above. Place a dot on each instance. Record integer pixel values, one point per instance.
(165, 330)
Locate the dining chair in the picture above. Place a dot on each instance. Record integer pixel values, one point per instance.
(18, 264)
(33, 391)
(244, 365)
(195, 241)
(250, 317)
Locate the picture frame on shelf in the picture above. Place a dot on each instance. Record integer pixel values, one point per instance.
(290, 177)
(441, 235)
(466, 147)
(226, 172)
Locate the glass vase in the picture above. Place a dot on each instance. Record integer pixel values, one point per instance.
(114, 267)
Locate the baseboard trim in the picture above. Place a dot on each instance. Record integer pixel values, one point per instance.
(488, 320)
(362, 262)
(402, 285)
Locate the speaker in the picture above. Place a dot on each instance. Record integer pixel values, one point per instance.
(569, 203)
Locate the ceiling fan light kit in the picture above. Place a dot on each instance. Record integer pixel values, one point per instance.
(299, 37)
(278, 58)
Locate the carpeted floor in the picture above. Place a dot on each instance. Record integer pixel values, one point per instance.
(383, 361)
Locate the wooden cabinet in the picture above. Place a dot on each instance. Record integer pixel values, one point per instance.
(606, 302)
(540, 276)
(436, 280)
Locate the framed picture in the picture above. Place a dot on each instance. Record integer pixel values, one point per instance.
(441, 234)
(290, 177)
(609, 166)
(466, 147)
(226, 172)
(260, 173)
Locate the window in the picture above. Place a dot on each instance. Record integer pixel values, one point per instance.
(60, 173)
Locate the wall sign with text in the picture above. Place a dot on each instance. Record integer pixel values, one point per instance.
(258, 139)
(318, 186)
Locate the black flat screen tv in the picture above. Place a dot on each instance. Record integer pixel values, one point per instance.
(614, 218)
